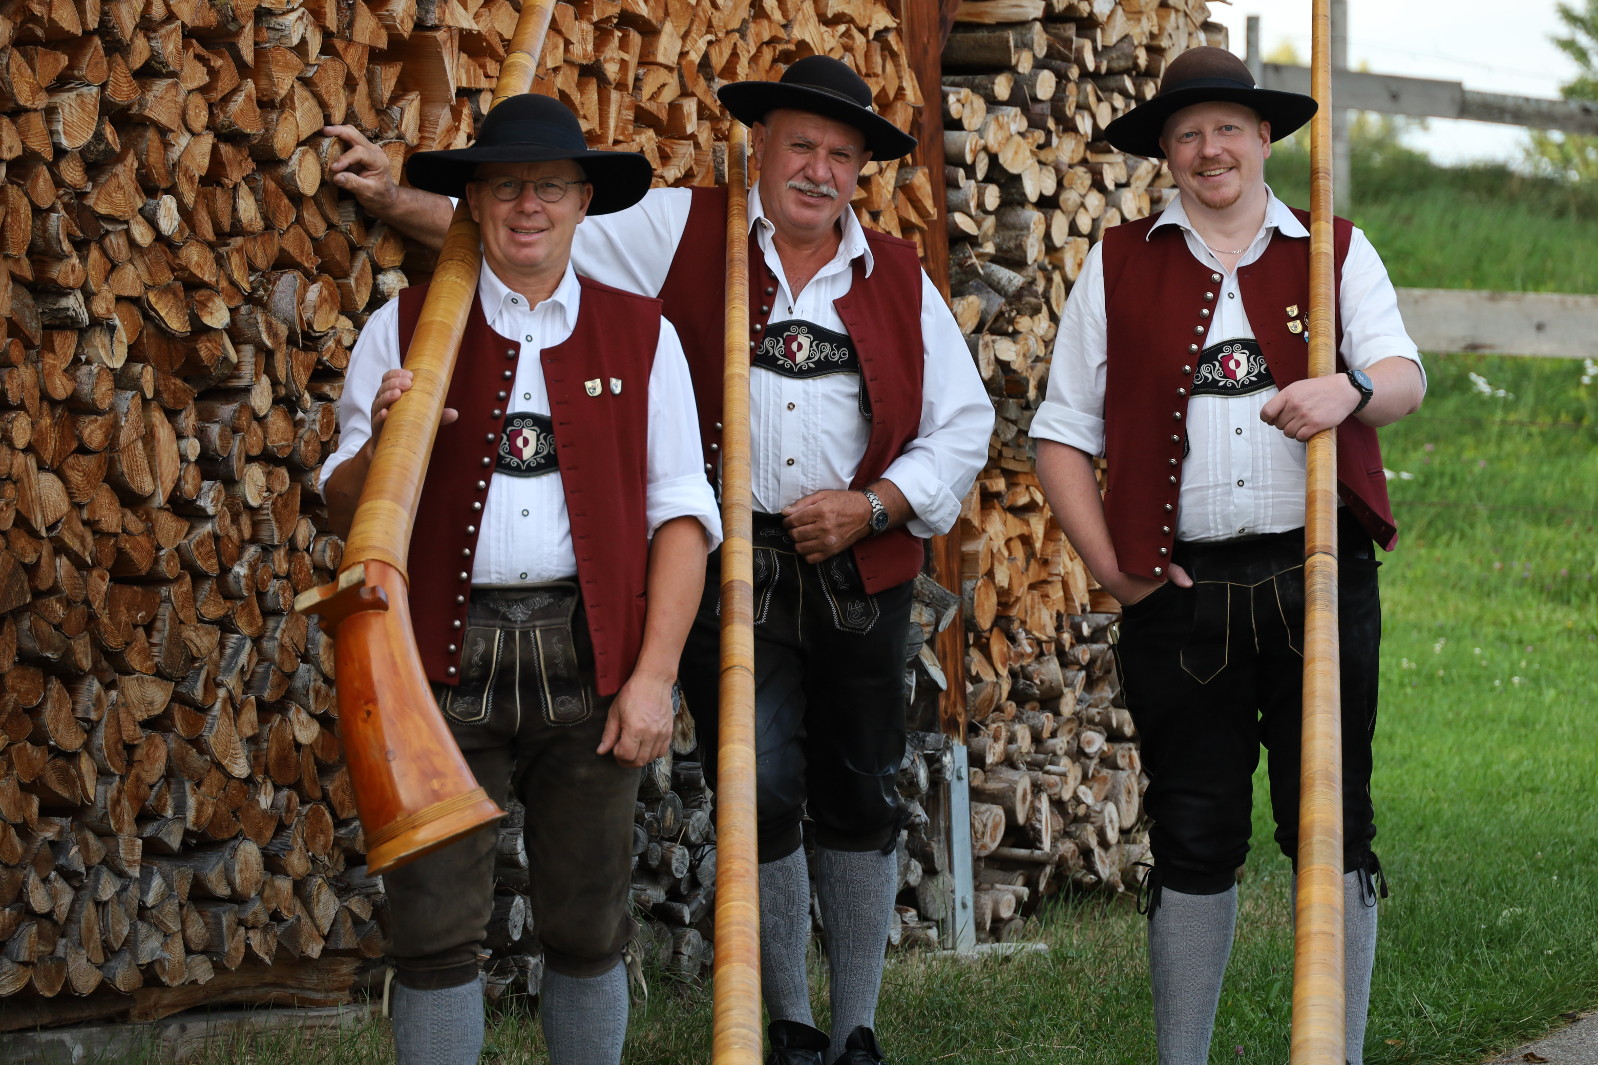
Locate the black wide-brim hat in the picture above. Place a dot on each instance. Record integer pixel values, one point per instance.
(823, 86)
(1205, 75)
(529, 128)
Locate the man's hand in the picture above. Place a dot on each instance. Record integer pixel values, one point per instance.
(1305, 407)
(638, 728)
(1128, 588)
(396, 383)
(824, 523)
(363, 171)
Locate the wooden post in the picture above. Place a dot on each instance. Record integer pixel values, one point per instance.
(736, 1036)
(1318, 981)
(926, 29)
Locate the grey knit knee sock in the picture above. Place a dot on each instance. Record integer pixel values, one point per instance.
(1190, 940)
(438, 1027)
(785, 937)
(856, 890)
(1359, 956)
(584, 1018)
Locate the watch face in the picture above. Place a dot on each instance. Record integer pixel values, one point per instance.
(1362, 380)
(879, 521)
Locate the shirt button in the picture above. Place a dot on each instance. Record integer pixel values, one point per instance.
(1231, 295)
(1240, 484)
(515, 301)
(790, 462)
(529, 338)
(790, 406)
(527, 395)
(1238, 431)
(524, 576)
(526, 513)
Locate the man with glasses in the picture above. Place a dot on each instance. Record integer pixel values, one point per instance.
(557, 559)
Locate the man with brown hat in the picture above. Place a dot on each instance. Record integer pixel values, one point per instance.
(560, 545)
(1181, 359)
(869, 423)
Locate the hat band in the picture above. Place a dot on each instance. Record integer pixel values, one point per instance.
(835, 93)
(1208, 83)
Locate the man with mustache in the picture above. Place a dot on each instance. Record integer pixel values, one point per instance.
(550, 608)
(869, 423)
(1181, 358)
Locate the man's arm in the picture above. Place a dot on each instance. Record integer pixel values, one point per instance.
(363, 171)
(638, 728)
(1073, 494)
(1305, 407)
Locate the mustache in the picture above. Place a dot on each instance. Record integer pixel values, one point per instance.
(813, 189)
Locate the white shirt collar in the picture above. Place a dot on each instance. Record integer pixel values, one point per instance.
(499, 300)
(1277, 216)
(852, 246)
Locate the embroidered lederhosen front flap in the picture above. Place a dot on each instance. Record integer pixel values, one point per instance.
(1232, 368)
(521, 641)
(803, 350)
(527, 446)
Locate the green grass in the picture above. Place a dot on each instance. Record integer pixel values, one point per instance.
(1477, 227)
(1487, 802)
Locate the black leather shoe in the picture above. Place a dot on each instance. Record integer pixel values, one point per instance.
(793, 1043)
(861, 1049)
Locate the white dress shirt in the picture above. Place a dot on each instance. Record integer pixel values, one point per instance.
(809, 435)
(1241, 476)
(526, 533)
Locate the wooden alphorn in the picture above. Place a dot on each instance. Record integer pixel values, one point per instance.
(413, 789)
(1318, 979)
(735, 1024)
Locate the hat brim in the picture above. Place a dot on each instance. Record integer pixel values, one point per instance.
(1138, 131)
(750, 101)
(619, 179)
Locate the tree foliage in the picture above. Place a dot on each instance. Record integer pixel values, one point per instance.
(1569, 155)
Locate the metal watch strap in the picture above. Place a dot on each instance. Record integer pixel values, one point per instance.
(879, 513)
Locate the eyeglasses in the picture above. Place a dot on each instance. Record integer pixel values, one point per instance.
(548, 189)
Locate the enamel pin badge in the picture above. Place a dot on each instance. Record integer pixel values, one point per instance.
(615, 386)
(592, 387)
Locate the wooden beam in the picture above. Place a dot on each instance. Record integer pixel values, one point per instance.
(1429, 98)
(1504, 323)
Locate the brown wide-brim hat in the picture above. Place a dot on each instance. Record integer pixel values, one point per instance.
(1204, 75)
(533, 129)
(823, 86)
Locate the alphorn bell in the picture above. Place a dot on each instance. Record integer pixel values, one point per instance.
(735, 1007)
(1318, 977)
(413, 789)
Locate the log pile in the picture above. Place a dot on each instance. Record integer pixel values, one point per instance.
(1028, 88)
(181, 288)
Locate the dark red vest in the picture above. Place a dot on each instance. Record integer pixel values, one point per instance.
(602, 444)
(1157, 304)
(882, 314)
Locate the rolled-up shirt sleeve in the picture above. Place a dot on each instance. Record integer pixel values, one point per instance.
(1373, 330)
(1072, 411)
(677, 486)
(376, 351)
(938, 467)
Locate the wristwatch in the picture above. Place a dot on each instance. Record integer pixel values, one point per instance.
(879, 513)
(1361, 381)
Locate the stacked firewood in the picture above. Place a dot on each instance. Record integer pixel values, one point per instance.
(1028, 88)
(181, 288)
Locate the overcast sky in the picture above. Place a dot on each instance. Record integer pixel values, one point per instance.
(1486, 44)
